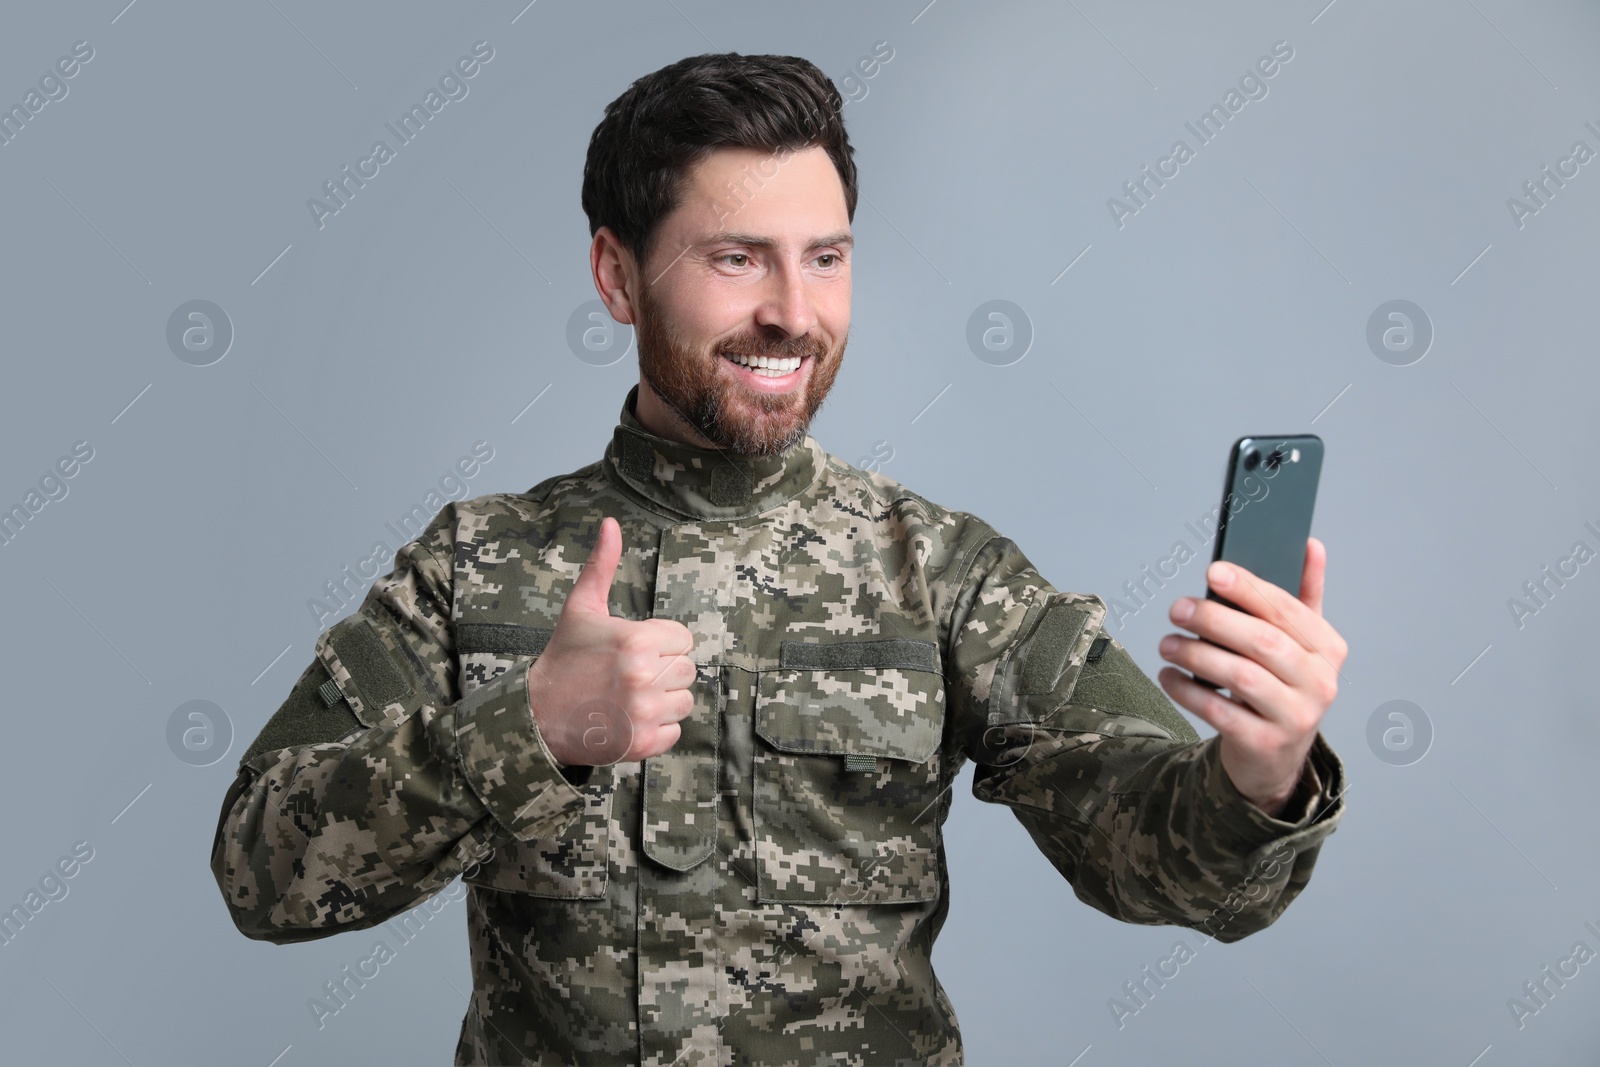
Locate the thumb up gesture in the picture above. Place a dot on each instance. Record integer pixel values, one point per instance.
(608, 690)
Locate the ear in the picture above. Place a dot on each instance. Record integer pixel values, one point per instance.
(616, 275)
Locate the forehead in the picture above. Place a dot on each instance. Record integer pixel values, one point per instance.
(787, 195)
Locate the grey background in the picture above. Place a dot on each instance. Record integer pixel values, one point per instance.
(429, 312)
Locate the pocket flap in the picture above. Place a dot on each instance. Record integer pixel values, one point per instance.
(878, 697)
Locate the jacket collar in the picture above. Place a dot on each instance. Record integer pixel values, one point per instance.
(704, 483)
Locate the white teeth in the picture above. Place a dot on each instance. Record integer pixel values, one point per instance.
(767, 366)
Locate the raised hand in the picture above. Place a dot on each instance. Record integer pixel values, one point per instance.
(608, 690)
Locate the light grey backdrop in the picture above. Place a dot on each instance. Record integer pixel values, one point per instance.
(369, 353)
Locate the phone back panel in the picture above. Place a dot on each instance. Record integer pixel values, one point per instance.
(1266, 515)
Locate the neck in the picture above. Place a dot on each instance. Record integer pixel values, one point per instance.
(657, 416)
(688, 481)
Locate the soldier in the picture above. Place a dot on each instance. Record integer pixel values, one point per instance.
(686, 720)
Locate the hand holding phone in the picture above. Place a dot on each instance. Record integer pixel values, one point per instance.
(1268, 494)
(1266, 730)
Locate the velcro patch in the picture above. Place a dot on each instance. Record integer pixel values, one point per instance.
(507, 639)
(1048, 650)
(638, 459)
(1114, 683)
(364, 655)
(905, 653)
(730, 486)
(304, 718)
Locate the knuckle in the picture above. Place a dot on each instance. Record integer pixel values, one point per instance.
(675, 705)
(1327, 688)
(644, 711)
(1248, 677)
(655, 710)
(1216, 705)
(636, 673)
(666, 737)
(1307, 719)
(1267, 641)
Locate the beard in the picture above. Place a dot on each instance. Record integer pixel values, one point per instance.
(714, 402)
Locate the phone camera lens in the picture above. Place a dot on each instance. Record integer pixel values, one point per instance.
(1274, 460)
(1251, 459)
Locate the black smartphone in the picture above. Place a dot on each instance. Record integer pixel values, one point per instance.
(1268, 494)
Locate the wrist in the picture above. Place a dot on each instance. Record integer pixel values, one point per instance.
(1275, 804)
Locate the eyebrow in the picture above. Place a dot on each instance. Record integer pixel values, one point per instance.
(841, 238)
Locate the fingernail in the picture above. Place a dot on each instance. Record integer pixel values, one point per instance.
(1219, 574)
(1169, 645)
(1182, 608)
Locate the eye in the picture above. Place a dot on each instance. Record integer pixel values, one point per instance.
(829, 255)
(735, 255)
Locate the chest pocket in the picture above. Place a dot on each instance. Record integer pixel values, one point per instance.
(571, 866)
(847, 772)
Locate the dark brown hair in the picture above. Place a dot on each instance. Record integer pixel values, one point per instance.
(665, 122)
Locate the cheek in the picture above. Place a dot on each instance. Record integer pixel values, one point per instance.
(709, 316)
(838, 326)
(833, 309)
(686, 330)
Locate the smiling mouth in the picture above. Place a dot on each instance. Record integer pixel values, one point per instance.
(765, 366)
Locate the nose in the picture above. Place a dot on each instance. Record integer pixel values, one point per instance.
(788, 303)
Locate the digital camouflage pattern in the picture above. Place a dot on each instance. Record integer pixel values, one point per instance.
(768, 891)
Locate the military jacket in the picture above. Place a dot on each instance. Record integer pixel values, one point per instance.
(768, 891)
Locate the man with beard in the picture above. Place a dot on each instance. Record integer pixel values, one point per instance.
(686, 720)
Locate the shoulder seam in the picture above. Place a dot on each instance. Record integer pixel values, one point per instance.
(548, 486)
(902, 492)
(964, 568)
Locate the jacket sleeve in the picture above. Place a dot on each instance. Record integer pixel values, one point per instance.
(376, 783)
(1108, 778)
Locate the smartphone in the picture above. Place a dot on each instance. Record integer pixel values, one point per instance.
(1268, 493)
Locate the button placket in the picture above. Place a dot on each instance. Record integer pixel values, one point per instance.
(680, 785)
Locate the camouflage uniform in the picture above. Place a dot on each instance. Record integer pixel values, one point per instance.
(769, 890)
